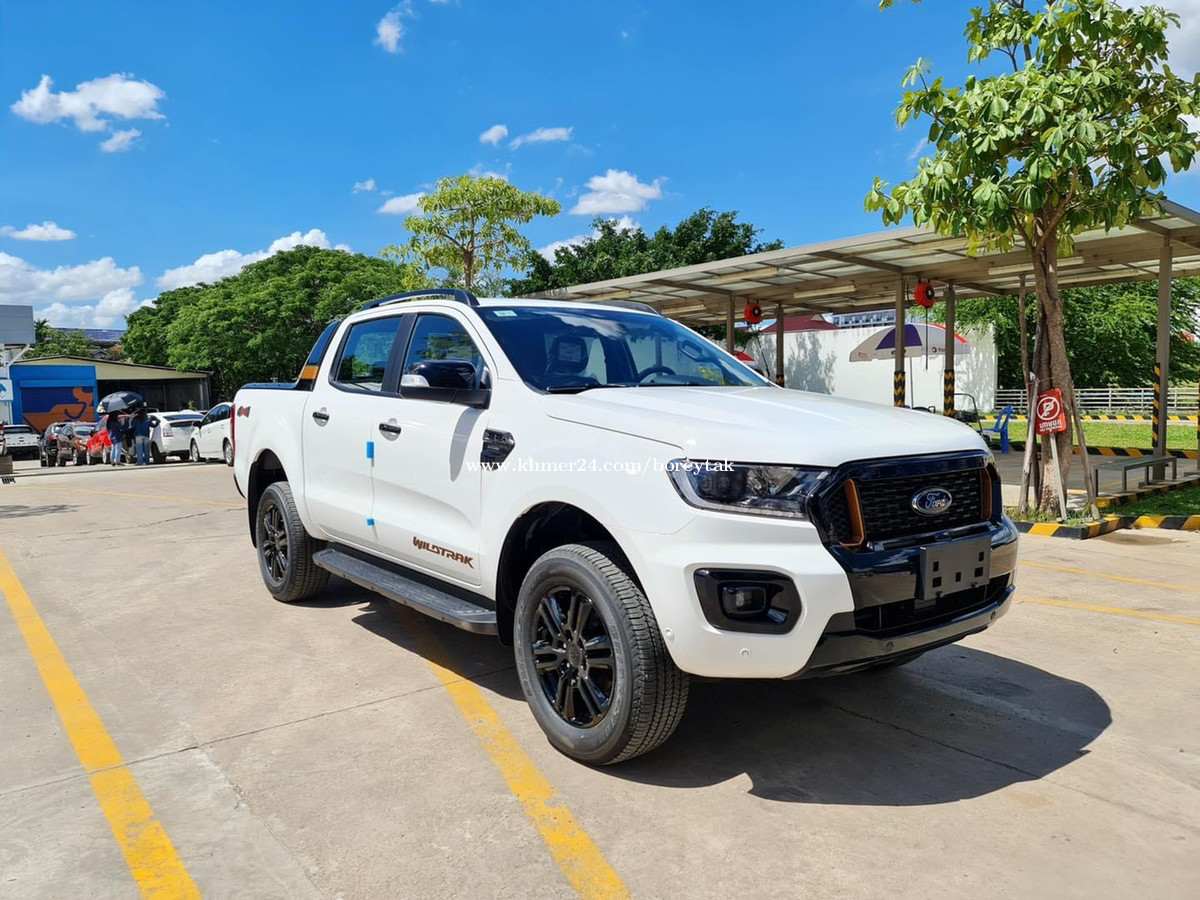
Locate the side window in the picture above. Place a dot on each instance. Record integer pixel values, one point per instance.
(365, 354)
(437, 338)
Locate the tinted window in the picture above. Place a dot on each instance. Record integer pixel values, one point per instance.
(17, 429)
(84, 429)
(438, 337)
(365, 354)
(182, 420)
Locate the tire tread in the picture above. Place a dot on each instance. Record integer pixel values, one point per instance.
(307, 578)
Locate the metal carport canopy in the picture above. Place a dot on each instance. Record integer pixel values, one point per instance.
(862, 272)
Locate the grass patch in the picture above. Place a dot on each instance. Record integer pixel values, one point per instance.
(1111, 434)
(1183, 502)
(1076, 517)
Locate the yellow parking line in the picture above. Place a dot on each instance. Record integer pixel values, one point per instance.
(1071, 570)
(576, 855)
(1112, 610)
(148, 851)
(165, 497)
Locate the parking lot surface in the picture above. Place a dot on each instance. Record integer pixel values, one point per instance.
(168, 727)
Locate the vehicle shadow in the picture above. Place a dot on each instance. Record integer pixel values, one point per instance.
(957, 724)
(19, 512)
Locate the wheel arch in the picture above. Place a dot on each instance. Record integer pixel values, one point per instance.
(264, 471)
(542, 527)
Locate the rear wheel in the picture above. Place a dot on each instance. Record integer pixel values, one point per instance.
(195, 452)
(285, 549)
(591, 657)
(227, 453)
(78, 458)
(156, 454)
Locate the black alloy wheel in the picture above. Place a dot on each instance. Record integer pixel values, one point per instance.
(573, 653)
(274, 546)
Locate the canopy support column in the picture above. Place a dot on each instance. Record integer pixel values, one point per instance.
(729, 325)
(780, 376)
(1162, 362)
(951, 346)
(899, 388)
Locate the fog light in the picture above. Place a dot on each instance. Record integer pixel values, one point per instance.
(743, 601)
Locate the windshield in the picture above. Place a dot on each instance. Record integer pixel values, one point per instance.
(17, 429)
(565, 350)
(84, 429)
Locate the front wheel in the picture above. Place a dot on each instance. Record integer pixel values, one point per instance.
(195, 452)
(156, 454)
(227, 453)
(285, 549)
(591, 657)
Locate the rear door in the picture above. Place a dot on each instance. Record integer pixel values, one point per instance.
(340, 429)
(426, 489)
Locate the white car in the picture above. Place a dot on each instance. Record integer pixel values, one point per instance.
(621, 501)
(20, 440)
(212, 438)
(171, 434)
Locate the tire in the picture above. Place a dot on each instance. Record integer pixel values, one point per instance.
(646, 693)
(194, 454)
(156, 454)
(78, 458)
(227, 453)
(277, 525)
(60, 461)
(42, 460)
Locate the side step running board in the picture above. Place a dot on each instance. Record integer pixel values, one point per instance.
(432, 602)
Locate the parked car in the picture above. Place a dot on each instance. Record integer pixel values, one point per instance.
(48, 444)
(621, 501)
(73, 442)
(171, 434)
(98, 442)
(20, 440)
(213, 437)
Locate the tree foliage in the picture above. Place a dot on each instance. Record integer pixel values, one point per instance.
(1110, 333)
(615, 252)
(260, 324)
(56, 342)
(467, 228)
(1071, 139)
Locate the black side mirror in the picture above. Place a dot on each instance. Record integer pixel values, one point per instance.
(445, 380)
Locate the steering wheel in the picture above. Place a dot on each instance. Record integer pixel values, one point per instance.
(654, 370)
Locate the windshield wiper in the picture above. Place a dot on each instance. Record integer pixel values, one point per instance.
(577, 388)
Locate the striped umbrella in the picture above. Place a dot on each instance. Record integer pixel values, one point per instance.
(919, 340)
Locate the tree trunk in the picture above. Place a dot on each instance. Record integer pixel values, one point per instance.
(1030, 437)
(1053, 366)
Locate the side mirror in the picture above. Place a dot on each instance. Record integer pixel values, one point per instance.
(444, 380)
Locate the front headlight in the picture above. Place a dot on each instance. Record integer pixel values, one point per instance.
(780, 491)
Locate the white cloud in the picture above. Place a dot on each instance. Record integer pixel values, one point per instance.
(368, 186)
(214, 266)
(120, 140)
(616, 192)
(389, 31)
(494, 135)
(1184, 40)
(93, 105)
(625, 223)
(21, 282)
(480, 171)
(47, 231)
(918, 149)
(541, 136)
(109, 312)
(402, 205)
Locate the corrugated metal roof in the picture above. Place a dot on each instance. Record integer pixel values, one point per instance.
(861, 273)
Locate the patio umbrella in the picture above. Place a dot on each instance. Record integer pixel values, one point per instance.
(119, 401)
(919, 340)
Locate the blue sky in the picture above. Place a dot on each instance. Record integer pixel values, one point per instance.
(175, 142)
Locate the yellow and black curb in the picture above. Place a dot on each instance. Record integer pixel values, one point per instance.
(1121, 451)
(1107, 525)
(1098, 418)
(1111, 500)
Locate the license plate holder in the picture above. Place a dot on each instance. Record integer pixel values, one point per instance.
(954, 566)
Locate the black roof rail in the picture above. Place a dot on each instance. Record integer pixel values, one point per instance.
(633, 304)
(453, 293)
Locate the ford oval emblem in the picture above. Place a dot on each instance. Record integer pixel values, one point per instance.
(932, 501)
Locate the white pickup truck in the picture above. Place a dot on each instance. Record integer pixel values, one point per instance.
(623, 502)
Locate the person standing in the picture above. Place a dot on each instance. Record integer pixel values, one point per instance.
(141, 437)
(113, 427)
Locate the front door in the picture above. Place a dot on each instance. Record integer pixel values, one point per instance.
(339, 431)
(427, 475)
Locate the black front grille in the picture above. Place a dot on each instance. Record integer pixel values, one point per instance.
(886, 503)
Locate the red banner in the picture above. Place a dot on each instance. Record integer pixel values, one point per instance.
(1050, 418)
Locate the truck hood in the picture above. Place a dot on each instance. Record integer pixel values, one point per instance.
(765, 424)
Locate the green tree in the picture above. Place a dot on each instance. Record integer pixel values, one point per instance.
(1110, 333)
(56, 342)
(259, 325)
(145, 340)
(467, 228)
(1072, 138)
(616, 252)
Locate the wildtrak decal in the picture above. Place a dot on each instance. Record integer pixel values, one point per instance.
(422, 544)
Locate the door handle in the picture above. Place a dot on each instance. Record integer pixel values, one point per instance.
(321, 416)
(389, 428)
